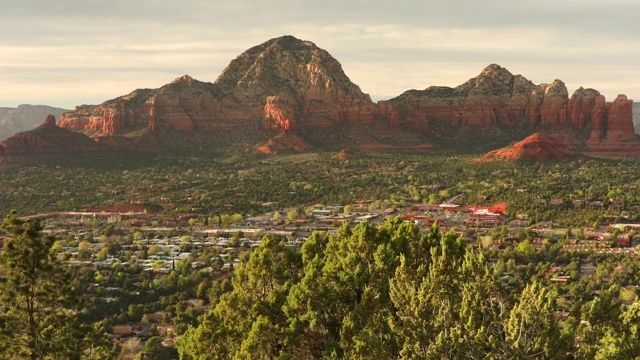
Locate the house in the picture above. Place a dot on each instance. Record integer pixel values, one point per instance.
(157, 316)
(122, 330)
(561, 280)
(166, 330)
(319, 213)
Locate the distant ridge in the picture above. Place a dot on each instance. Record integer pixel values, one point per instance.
(24, 117)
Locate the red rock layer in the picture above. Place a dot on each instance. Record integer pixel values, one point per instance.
(292, 85)
(186, 105)
(46, 140)
(496, 97)
(279, 115)
(612, 132)
(537, 146)
(50, 141)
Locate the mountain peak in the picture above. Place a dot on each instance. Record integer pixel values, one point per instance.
(493, 80)
(285, 66)
(290, 42)
(184, 78)
(493, 68)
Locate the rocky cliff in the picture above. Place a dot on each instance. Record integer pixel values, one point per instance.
(186, 105)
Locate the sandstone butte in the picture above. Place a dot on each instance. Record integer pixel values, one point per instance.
(298, 95)
(47, 139)
(50, 141)
(536, 147)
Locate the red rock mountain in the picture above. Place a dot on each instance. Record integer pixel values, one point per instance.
(288, 85)
(498, 98)
(537, 147)
(297, 94)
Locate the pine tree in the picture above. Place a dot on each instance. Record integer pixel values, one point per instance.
(39, 318)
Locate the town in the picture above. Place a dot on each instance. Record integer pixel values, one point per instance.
(129, 257)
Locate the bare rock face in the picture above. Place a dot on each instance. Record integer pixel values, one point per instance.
(550, 105)
(305, 79)
(279, 115)
(537, 147)
(581, 106)
(620, 119)
(498, 98)
(495, 97)
(612, 132)
(50, 142)
(50, 121)
(184, 105)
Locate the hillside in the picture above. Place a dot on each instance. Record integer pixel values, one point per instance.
(24, 117)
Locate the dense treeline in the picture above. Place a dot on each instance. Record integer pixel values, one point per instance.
(394, 292)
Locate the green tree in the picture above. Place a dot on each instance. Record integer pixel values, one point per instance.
(153, 349)
(40, 318)
(532, 330)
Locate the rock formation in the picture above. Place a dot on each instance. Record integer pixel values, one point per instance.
(612, 132)
(495, 97)
(297, 94)
(185, 105)
(45, 141)
(50, 142)
(537, 147)
(498, 98)
(291, 85)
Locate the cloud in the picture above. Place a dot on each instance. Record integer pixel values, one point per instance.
(78, 51)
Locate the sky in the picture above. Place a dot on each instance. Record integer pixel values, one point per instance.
(67, 53)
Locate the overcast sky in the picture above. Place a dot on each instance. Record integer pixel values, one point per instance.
(67, 53)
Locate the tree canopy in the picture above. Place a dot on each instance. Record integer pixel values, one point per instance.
(394, 292)
(38, 297)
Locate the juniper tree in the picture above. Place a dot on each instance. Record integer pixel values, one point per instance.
(39, 317)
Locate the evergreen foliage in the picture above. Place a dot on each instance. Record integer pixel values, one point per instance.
(38, 298)
(393, 292)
